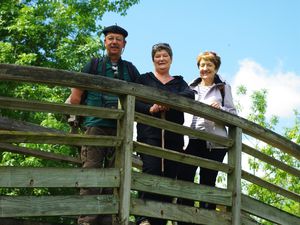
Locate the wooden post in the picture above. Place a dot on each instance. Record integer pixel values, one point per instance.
(234, 178)
(123, 157)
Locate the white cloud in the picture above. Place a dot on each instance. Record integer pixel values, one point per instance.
(283, 88)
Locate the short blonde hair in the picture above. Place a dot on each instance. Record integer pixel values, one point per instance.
(210, 56)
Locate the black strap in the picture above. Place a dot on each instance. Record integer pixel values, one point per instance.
(132, 71)
(94, 65)
(222, 90)
(103, 69)
(121, 70)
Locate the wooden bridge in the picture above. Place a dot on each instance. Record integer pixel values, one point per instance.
(239, 208)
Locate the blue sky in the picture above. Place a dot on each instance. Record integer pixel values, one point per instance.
(258, 41)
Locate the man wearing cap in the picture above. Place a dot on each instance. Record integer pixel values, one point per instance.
(113, 66)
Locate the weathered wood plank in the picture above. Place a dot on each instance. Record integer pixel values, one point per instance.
(58, 177)
(136, 161)
(42, 75)
(234, 178)
(177, 212)
(268, 159)
(21, 104)
(247, 220)
(91, 82)
(180, 189)
(11, 221)
(272, 187)
(268, 212)
(12, 124)
(19, 206)
(273, 139)
(180, 157)
(124, 156)
(50, 138)
(177, 128)
(39, 154)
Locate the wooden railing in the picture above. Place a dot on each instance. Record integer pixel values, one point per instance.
(239, 207)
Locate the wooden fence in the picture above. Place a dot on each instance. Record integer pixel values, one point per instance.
(240, 208)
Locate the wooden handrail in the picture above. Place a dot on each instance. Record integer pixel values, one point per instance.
(119, 87)
(128, 93)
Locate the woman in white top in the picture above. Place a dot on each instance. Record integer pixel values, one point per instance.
(212, 90)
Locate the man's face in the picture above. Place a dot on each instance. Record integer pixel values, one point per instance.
(114, 44)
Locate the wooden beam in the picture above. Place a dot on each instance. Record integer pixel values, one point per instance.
(180, 189)
(234, 178)
(268, 212)
(181, 157)
(119, 87)
(11, 221)
(176, 212)
(269, 160)
(177, 128)
(58, 177)
(68, 109)
(17, 125)
(22, 206)
(50, 138)
(269, 186)
(39, 154)
(124, 156)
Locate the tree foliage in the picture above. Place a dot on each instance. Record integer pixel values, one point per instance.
(55, 34)
(60, 34)
(266, 171)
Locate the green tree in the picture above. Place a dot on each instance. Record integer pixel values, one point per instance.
(56, 34)
(266, 171)
(60, 34)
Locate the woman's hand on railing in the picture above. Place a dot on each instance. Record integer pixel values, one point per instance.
(216, 105)
(158, 108)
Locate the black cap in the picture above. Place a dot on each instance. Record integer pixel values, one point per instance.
(115, 29)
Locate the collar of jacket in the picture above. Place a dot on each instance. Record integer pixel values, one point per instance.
(106, 58)
(176, 77)
(217, 81)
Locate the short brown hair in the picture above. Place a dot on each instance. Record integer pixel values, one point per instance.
(161, 46)
(210, 56)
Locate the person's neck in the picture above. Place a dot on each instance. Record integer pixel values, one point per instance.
(163, 76)
(205, 82)
(114, 58)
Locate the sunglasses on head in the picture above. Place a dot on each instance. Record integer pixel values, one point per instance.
(159, 45)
